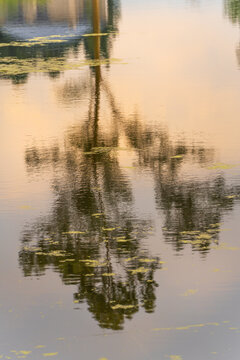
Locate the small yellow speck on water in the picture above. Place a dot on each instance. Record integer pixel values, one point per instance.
(108, 229)
(7, 357)
(60, 338)
(40, 346)
(1, 356)
(177, 157)
(216, 270)
(96, 34)
(147, 260)
(108, 274)
(214, 352)
(25, 207)
(119, 306)
(139, 270)
(190, 292)
(220, 166)
(50, 354)
(175, 357)
(103, 359)
(25, 352)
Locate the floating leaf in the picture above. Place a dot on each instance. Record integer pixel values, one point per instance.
(119, 306)
(96, 34)
(50, 354)
(74, 232)
(177, 157)
(140, 270)
(190, 292)
(147, 260)
(108, 229)
(220, 166)
(108, 274)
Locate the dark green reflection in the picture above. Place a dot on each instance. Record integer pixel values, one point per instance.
(232, 10)
(94, 196)
(93, 236)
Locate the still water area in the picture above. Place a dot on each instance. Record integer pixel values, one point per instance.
(120, 179)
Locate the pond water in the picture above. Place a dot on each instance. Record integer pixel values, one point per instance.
(120, 179)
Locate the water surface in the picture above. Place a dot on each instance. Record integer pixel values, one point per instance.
(120, 181)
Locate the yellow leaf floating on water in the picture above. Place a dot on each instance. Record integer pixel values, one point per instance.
(74, 232)
(220, 166)
(190, 292)
(203, 236)
(130, 259)
(147, 260)
(25, 352)
(108, 229)
(40, 346)
(140, 270)
(175, 357)
(50, 354)
(119, 306)
(108, 274)
(177, 157)
(187, 327)
(96, 34)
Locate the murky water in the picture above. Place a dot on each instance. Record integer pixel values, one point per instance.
(120, 179)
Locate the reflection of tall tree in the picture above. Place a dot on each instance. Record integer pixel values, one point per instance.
(93, 239)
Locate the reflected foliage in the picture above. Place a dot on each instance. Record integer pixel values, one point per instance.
(232, 10)
(94, 236)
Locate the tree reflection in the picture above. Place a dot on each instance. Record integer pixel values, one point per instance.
(193, 206)
(94, 237)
